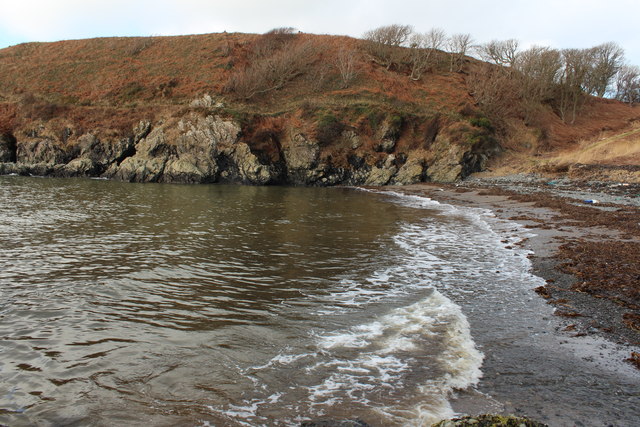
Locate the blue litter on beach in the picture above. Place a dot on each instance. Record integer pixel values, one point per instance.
(591, 201)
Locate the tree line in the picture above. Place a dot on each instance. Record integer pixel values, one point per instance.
(509, 80)
(562, 77)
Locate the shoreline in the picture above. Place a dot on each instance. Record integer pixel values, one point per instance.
(588, 333)
(587, 313)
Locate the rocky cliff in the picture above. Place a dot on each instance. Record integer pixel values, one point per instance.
(277, 108)
(204, 147)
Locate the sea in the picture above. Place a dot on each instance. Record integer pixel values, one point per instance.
(224, 305)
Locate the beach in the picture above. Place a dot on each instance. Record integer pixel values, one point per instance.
(584, 242)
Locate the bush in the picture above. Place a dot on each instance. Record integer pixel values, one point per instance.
(272, 41)
(482, 122)
(270, 73)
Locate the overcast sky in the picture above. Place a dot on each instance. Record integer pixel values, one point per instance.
(555, 23)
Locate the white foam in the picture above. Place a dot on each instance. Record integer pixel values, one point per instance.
(419, 353)
(391, 347)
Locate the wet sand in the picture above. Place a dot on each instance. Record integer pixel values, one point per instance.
(577, 366)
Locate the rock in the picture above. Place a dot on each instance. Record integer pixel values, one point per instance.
(81, 166)
(301, 158)
(385, 146)
(248, 168)
(136, 169)
(351, 139)
(185, 171)
(101, 154)
(191, 157)
(141, 130)
(490, 421)
(149, 162)
(40, 151)
(381, 175)
(335, 423)
(411, 172)
(199, 143)
(445, 165)
(301, 153)
(8, 149)
(388, 135)
(9, 168)
(206, 102)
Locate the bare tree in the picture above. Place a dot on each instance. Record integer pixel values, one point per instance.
(273, 72)
(384, 42)
(499, 52)
(539, 69)
(627, 84)
(435, 38)
(495, 91)
(458, 46)
(391, 35)
(346, 64)
(423, 50)
(607, 59)
(576, 65)
(538, 72)
(419, 56)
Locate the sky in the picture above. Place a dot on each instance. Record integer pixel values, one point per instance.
(554, 23)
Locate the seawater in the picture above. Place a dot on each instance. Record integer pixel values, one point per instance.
(131, 304)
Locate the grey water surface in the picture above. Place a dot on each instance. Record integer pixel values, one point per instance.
(134, 304)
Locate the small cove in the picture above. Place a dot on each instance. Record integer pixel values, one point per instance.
(228, 305)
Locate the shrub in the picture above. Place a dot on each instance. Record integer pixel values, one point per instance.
(267, 74)
(271, 41)
(482, 122)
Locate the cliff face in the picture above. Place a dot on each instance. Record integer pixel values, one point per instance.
(296, 109)
(208, 148)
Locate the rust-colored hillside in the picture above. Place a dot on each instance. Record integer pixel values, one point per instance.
(272, 87)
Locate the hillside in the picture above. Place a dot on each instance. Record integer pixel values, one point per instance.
(268, 109)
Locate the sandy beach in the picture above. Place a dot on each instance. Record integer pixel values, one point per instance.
(580, 366)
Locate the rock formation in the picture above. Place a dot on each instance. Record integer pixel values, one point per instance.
(208, 148)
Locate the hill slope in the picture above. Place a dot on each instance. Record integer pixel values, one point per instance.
(261, 109)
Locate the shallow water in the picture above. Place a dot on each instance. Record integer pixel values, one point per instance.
(225, 305)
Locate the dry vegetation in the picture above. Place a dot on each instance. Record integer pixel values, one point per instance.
(530, 100)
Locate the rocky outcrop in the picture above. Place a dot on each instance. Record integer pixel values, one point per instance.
(8, 149)
(95, 156)
(191, 158)
(40, 150)
(334, 423)
(459, 152)
(244, 167)
(490, 421)
(301, 156)
(388, 135)
(382, 174)
(207, 148)
(412, 171)
(149, 161)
